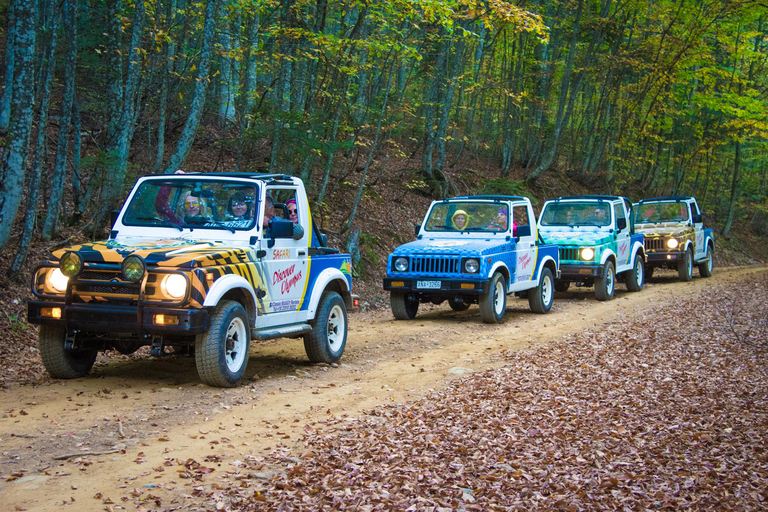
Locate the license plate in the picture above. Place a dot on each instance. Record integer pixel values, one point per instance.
(428, 285)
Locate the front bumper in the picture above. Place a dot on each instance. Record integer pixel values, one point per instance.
(574, 272)
(109, 319)
(448, 286)
(663, 257)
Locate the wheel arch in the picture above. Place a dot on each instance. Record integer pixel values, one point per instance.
(233, 287)
(608, 255)
(500, 267)
(329, 279)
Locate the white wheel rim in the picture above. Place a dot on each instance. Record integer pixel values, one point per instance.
(498, 298)
(546, 291)
(709, 261)
(609, 282)
(336, 328)
(639, 271)
(689, 264)
(234, 353)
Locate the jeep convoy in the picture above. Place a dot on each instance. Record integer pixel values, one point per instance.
(675, 236)
(205, 263)
(473, 249)
(597, 242)
(197, 262)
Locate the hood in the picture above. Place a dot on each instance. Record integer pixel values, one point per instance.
(173, 252)
(667, 229)
(574, 237)
(472, 246)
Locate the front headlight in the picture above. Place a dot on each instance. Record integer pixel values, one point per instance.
(587, 253)
(71, 264)
(175, 285)
(134, 268)
(471, 266)
(57, 280)
(672, 243)
(401, 264)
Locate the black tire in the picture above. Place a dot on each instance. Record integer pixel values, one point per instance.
(540, 298)
(635, 277)
(221, 353)
(493, 303)
(705, 267)
(59, 362)
(685, 266)
(402, 308)
(648, 272)
(458, 306)
(562, 286)
(605, 285)
(326, 341)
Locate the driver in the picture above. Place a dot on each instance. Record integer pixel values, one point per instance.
(460, 220)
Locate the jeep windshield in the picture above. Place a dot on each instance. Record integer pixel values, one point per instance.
(576, 213)
(469, 216)
(193, 204)
(659, 213)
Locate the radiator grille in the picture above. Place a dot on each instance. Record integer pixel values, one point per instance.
(571, 254)
(435, 265)
(655, 244)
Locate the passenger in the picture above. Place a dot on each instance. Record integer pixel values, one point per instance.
(237, 209)
(192, 207)
(293, 212)
(269, 214)
(460, 220)
(500, 222)
(599, 217)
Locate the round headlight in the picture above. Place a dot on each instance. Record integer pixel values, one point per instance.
(71, 264)
(57, 280)
(471, 266)
(175, 285)
(401, 264)
(587, 253)
(133, 268)
(672, 243)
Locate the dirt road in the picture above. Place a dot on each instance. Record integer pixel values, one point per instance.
(122, 438)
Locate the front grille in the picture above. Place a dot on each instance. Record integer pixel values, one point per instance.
(435, 264)
(569, 254)
(655, 244)
(110, 282)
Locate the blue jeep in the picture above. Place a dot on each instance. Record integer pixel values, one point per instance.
(473, 249)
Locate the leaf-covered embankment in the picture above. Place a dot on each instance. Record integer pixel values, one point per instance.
(668, 412)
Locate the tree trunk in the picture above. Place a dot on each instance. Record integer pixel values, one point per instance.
(65, 123)
(14, 166)
(201, 85)
(10, 48)
(162, 116)
(734, 187)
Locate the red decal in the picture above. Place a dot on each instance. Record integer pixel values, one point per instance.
(524, 261)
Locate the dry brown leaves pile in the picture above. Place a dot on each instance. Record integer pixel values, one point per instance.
(666, 413)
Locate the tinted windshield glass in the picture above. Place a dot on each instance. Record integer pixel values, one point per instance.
(573, 213)
(178, 204)
(468, 216)
(654, 213)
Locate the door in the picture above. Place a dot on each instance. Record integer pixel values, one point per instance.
(525, 257)
(623, 238)
(286, 259)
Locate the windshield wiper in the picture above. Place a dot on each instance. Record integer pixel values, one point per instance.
(165, 222)
(221, 225)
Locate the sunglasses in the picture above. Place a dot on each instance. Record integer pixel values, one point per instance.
(291, 210)
(238, 203)
(191, 204)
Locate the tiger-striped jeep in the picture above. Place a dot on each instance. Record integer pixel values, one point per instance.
(199, 263)
(675, 236)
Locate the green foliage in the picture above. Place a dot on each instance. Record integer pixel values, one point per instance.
(504, 187)
(17, 321)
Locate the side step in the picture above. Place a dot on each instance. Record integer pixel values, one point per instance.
(286, 331)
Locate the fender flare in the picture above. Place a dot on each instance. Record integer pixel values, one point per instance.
(688, 244)
(543, 263)
(496, 266)
(319, 286)
(607, 254)
(224, 284)
(637, 247)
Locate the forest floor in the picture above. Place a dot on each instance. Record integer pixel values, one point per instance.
(656, 399)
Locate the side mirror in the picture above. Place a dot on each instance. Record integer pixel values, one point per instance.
(323, 239)
(113, 217)
(281, 228)
(621, 223)
(416, 229)
(524, 230)
(697, 218)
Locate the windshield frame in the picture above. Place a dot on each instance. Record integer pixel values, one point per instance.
(484, 217)
(575, 214)
(667, 219)
(147, 208)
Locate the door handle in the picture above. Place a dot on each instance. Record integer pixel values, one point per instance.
(302, 253)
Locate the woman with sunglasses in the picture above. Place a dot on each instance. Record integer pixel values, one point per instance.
(293, 212)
